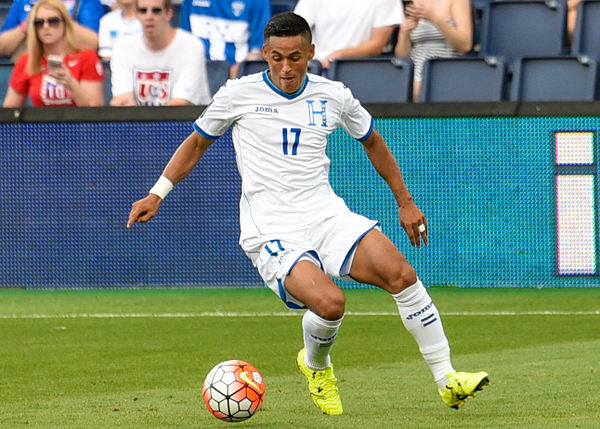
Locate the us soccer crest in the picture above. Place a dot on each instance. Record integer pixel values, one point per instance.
(152, 88)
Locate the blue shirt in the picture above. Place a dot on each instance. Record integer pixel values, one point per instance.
(228, 28)
(88, 14)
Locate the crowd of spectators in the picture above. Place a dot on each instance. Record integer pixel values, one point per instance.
(156, 59)
(55, 70)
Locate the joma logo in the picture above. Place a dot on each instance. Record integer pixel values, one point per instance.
(262, 109)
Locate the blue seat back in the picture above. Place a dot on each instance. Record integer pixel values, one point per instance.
(463, 79)
(523, 28)
(586, 40)
(107, 82)
(256, 66)
(280, 6)
(218, 73)
(555, 79)
(5, 72)
(377, 79)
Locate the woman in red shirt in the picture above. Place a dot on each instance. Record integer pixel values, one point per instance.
(72, 78)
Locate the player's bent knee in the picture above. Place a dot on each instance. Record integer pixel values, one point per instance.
(402, 276)
(331, 306)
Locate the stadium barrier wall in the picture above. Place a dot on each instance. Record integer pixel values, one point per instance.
(488, 177)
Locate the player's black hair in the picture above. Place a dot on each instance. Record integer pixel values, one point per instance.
(288, 24)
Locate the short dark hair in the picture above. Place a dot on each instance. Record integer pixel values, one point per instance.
(287, 24)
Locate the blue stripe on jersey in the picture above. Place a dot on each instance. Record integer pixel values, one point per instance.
(204, 134)
(230, 52)
(366, 136)
(279, 91)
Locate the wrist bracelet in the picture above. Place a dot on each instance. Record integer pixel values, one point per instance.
(162, 187)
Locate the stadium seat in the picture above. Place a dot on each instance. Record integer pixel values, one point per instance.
(279, 6)
(218, 73)
(376, 79)
(176, 18)
(253, 66)
(4, 8)
(256, 66)
(586, 40)
(555, 79)
(463, 79)
(524, 28)
(107, 83)
(5, 72)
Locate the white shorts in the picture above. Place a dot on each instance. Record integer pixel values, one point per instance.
(330, 245)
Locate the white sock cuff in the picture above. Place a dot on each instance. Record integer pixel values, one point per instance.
(411, 295)
(317, 321)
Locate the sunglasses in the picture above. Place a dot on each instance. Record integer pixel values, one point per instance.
(144, 10)
(53, 22)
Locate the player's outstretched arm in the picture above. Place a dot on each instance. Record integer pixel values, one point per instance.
(181, 164)
(411, 217)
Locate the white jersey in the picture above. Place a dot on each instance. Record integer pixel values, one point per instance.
(280, 141)
(156, 77)
(338, 24)
(112, 26)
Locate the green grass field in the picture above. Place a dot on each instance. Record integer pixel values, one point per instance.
(138, 358)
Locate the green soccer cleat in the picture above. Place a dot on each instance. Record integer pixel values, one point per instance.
(462, 385)
(322, 387)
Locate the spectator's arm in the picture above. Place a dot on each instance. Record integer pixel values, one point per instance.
(88, 93)
(85, 37)
(14, 99)
(372, 47)
(126, 99)
(461, 36)
(11, 39)
(404, 44)
(178, 102)
(572, 17)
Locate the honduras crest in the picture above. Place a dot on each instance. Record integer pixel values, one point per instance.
(237, 8)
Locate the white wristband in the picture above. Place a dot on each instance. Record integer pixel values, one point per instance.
(162, 187)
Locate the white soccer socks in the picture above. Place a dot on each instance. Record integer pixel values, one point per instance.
(422, 319)
(319, 335)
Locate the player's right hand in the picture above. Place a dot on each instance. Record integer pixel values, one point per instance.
(143, 210)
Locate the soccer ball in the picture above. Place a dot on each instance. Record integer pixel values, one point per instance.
(233, 390)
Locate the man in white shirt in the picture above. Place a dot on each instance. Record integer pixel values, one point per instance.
(162, 66)
(350, 28)
(295, 229)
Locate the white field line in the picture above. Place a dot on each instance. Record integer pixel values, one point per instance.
(283, 314)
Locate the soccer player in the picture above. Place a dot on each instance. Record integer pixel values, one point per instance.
(295, 229)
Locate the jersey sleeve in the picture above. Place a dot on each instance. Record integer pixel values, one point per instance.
(388, 12)
(104, 40)
(89, 13)
(16, 14)
(258, 20)
(217, 117)
(91, 66)
(184, 15)
(307, 10)
(355, 118)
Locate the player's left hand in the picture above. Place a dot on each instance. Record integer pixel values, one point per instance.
(143, 210)
(414, 223)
